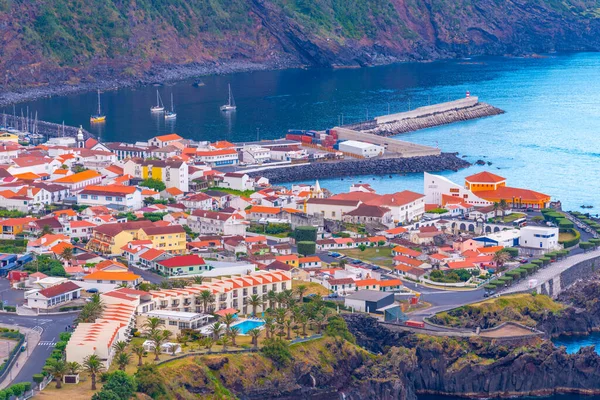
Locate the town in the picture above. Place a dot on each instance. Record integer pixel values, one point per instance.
(118, 255)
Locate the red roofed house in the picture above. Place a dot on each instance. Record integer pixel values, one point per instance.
(53, 296)
(342, 287)
(191, 264)
(164, 140)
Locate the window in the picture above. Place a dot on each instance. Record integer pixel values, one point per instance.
(94, 197)
(118, 198)
(173, 323)
(108, 198)
(84, 196)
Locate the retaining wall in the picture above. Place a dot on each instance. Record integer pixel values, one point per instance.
(428, 110)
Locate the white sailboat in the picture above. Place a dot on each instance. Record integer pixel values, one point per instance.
(230, 106)
(159, 107)
(171, 114)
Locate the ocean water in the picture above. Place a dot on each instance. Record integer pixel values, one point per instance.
(574, 343)
(548, 140)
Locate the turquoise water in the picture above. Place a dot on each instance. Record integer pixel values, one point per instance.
(574, 343)
(248, 325)
(547, 140)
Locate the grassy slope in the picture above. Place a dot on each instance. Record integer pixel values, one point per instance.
(519, 308)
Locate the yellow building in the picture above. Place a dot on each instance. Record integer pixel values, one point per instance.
(290, 259)
(109, 239)
(170, 238)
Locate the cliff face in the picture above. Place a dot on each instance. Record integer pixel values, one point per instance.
(58, 41)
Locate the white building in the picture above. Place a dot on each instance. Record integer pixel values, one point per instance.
(219, 157)
(508, 238)
(539, 237)
(175, 321)
(123, 197)
(198, 201)
(53, 296)
(331, 208)
(237, 181)
(362, 149)
(288, 154)
(254, 154)
(217, 223)
(172, 173)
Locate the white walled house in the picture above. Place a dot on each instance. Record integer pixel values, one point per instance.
(539, 237)
(237, 181)
(216, 223)
(124, 197)
(53, 296)
(254, 154)
(362, 149)
(330, 208)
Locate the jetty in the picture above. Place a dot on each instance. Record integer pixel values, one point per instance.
(464, 109)
(44, 128)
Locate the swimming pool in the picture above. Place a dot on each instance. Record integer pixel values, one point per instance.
(248, 324)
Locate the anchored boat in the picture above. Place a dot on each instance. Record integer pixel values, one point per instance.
(171, 114)
(98, 117)
(159, 107)
(230, 106)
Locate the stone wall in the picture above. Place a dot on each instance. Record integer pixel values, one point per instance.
(558, 283)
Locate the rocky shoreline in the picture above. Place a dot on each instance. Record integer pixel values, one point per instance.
(165, 74)
(384, 166)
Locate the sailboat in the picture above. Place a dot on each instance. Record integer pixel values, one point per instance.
(98, 117)
(171, 114)
(230, 106)
(159, 107)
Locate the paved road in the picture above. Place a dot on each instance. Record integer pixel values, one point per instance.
(147, 275)
(52, 326)
(545, 274)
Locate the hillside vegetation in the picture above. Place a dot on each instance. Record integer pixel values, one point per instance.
(54, 41)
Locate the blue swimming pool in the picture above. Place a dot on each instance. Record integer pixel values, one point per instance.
(248, 325)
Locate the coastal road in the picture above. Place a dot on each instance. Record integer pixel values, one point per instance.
(52, 326)
(11, 297)
(147, 275)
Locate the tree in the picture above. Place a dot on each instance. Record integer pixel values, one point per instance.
(123, 359)
(278, 351)
(228, 319)
(495, 208)
(500, 257)
(305, 233)
(154, 184)
(121, 384)
(209, 342)
(254, 301)
(139, 351)
(302, 318)
(106, 395)
(233, 332)
(300, 290)
(46, 230)
(93, 366)
(254, 334)
(150, 381)
(225, 342)
(272, 297)
(216, 330)
(151, 325)
(56, 368)
(206, 297)
(362, 247)
(73, 368)
(503, 207)
(269, 326)
(197, 280)
(120, 347)
(67, 254)
(306, 248)
(159, 338)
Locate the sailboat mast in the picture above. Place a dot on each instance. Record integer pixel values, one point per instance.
(172, 109)
(229, 86)
(98, 101)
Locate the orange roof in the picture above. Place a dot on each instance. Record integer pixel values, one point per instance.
(82, 224)
(490, 250)
(367, 282)
(289, 257)
(79, 177)
(408, 261)
(397, 230)
(375, 239)
(171, 136)
(59, 248)
(303, 260)
(115, 169)
(111, 276)
(27, 176)
(223, 144)
(107, 263)
(406, 251)
(429, 207)
(69, 212)
(149, 192)
(254, 239)
(18, 221)
(174, 191)
(265, 210)
(390, 282)
(485, 177)
(220, 152)
(510, 193)
(61, 171)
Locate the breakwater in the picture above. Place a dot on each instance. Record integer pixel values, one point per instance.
(428, 117)
(47, 129)
(385, 166)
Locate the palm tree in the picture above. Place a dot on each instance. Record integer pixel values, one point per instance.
(123, 359)
(159, 338)
(300, 290)
(173, 349)
(151, 325)
(206, 297)
(495, 208)
(209, 342)
(281, 299)
(139, 351)
(500, 257)
(254, 301)
(56, 368)
(120, 347)
(503, 206)
(225, 342)
(233, 332)
(272, 296)
(319, 320)
(46, 230)
(269, 323)
(198, 280)
(303, 320)
(254, 334)
(93, 366)
(289, 324)
(73, 367)
(216, 330)
(228, 319)
(67, 254)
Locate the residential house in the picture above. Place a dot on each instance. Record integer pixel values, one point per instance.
(190, 264)
(54, 296)
(170, 238)
(330, 208)
(216, 223)
(174, 173)
(109, 239)
(115, 196)
(80, 180)
(237, 181)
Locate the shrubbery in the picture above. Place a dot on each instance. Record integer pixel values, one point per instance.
(277, 350)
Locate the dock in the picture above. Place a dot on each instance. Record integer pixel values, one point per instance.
(464, 109)
(44, 128)
(393, 147)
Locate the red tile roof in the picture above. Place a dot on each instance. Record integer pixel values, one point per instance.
(485, 177)
(182, 261)
(57, 290)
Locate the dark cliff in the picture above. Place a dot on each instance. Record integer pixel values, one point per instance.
(79, 41)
